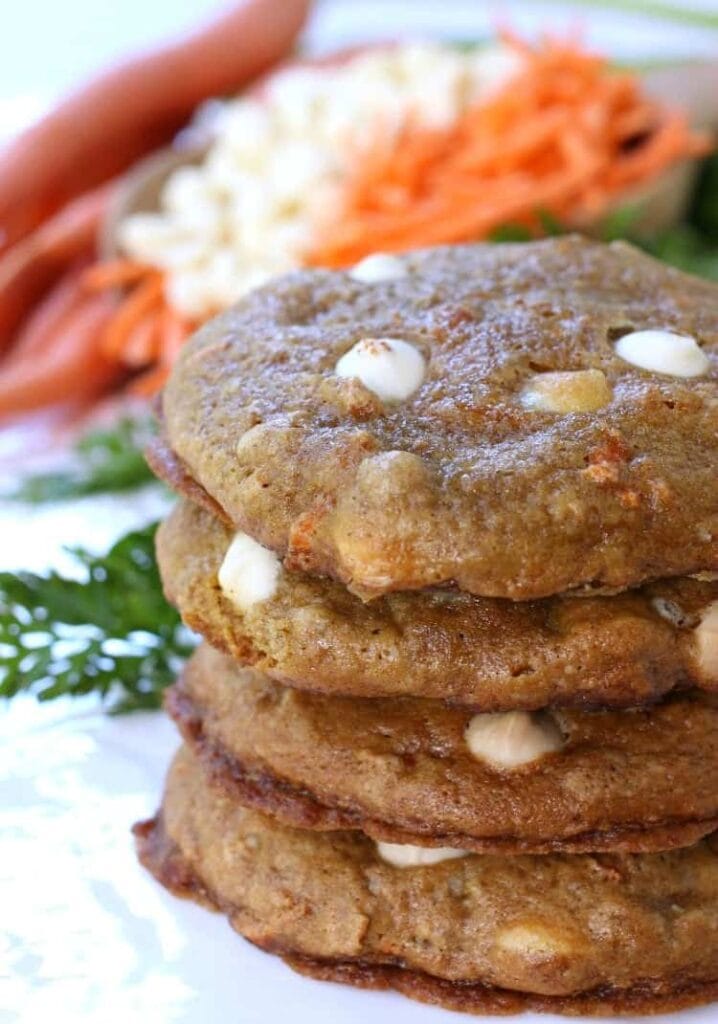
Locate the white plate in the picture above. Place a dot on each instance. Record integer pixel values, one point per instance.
(90, 937)
(85, 935)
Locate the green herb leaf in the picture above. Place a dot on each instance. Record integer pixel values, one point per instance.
(111, 633)
(511, 233)
(686, 248)
(619, 223)
(469, 45)
(550, 224)
(691, 246)
(703, 215)
(657, 9)
(108, 460)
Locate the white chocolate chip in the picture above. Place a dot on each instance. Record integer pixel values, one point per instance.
(706, 635)
(567, 391)
(249, 572)
(379, 266)
(676, 355)
(252, 437)
(534, 940)
(402, 855)
(512, 738)
(389, 367)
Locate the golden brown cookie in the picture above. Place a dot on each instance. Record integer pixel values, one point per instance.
(406, 771)
(569, 934)
(485, 653)
(458, 455)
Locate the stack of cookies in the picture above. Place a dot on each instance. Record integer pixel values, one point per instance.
(450, 526)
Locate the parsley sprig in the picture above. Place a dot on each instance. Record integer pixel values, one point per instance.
(106, 460)
(693, 245)
(111, 633)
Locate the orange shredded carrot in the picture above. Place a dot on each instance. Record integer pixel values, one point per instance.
(68, 366)
(140, 348)
(144, 332)
(115, 274)
(174, 332)
(149, 383)
(567, 136)
(145, 298)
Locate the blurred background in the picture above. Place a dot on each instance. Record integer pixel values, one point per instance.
(47, 47)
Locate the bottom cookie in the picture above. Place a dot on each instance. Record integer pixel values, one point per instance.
(582, 934)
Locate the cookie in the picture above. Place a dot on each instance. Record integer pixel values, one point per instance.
(569, 934)
(414, 771)
(486, 653)
(501, 416)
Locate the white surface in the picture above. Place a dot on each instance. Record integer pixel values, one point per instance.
(34, 537)
(85, 935)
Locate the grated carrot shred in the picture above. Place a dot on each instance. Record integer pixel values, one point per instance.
(144, 332)
(567, 135)
(115, 274)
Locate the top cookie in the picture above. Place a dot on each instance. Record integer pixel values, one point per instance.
(491, 415)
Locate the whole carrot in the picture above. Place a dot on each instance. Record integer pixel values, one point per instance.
(125, 112)
(32, 266)
(69, 365)
(48, 314)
